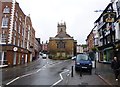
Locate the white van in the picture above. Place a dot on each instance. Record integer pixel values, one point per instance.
(44, 56)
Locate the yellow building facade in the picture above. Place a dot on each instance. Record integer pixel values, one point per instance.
(62, 46)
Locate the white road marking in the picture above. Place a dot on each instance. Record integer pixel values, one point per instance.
(38, 70)
(68, 74)
(61, 78)
(25, 75)
(12, 80)
(29, 73)
(41, 68)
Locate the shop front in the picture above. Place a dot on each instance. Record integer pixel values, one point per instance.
(13, 55)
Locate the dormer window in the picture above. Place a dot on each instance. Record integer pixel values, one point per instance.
(6, 10)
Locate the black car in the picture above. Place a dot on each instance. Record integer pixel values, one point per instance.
(83, 61)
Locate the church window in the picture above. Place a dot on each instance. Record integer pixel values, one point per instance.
(61, 44)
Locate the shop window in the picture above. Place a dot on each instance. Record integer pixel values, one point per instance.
(5, 56)
(2, 57)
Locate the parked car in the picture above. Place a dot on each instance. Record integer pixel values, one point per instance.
(41, 53)
(73, 58)
(83, 61)
(44, 56)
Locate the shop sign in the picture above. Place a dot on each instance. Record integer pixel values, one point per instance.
(15, 49)
(109, 17)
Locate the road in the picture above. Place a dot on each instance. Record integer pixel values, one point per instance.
(48, 72)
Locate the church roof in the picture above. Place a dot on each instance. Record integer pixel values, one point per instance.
(63, 35)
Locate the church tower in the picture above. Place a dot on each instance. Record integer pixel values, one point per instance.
(61, 27)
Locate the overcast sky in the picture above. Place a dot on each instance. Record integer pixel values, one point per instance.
(79, 16)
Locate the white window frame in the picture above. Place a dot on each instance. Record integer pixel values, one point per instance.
(18, 42)
(2, 57)
(15, 25)
(19, 29)
(16, 14)
(5, 21)
(6, 10)
(23, 31)
(14, 40)
(4, 37)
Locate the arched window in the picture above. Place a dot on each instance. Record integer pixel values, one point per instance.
(6, 10)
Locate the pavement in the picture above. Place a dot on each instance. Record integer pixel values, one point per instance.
(103, 71)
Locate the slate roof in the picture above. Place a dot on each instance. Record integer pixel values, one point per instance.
(63, 35)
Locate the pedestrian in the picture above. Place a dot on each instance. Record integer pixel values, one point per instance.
(115, 65)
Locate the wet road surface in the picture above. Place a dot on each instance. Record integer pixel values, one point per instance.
(48, 72)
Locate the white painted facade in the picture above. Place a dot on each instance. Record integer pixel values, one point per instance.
(117, 31)
(117, 23)
(79, 49)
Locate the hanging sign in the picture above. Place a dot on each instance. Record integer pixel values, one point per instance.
(109, 17)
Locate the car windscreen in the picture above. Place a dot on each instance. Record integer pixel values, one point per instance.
(82, 57)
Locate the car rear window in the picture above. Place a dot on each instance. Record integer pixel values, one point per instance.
(82, 57)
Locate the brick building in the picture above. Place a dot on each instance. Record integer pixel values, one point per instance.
(0, 15)
(18, 35)
(90, 41)
(62, 46)
(44, 47)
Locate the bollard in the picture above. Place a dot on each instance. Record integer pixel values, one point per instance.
(80, 72)
(72, 72)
